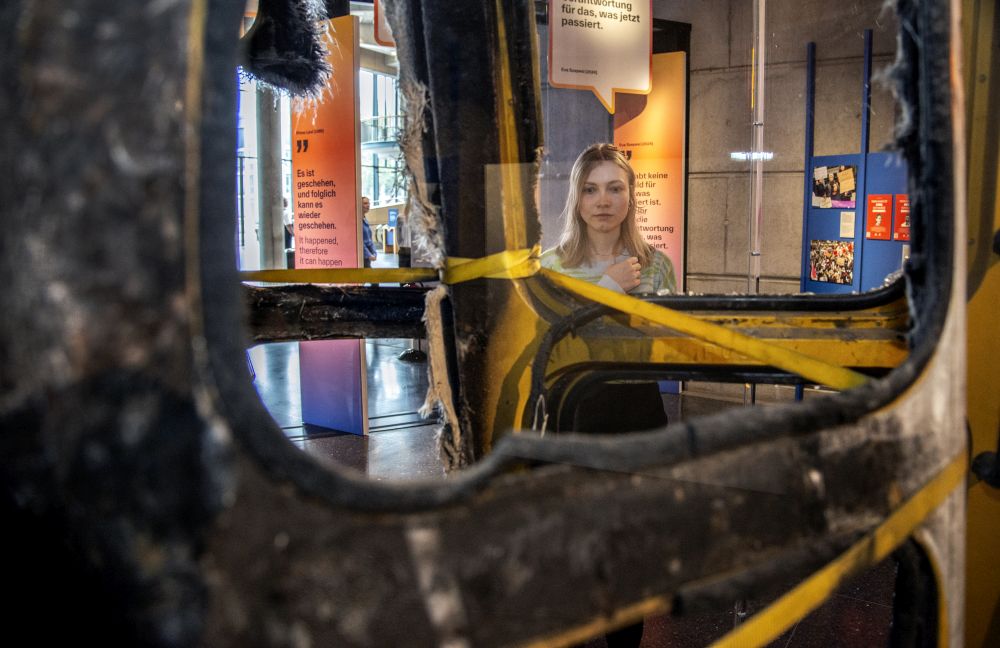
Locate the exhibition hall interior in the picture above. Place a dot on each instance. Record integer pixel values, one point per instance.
(762, 142)
(734, 220)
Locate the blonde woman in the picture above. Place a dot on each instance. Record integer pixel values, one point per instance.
(600, 241)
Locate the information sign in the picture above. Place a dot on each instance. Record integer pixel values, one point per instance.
(878, 219)
(901, 219)
(601, 45)
(650, 129)
(326, 189)
(326, 162)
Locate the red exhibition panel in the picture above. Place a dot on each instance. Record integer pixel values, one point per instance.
(878, 221)
(901, 219)
(326, 185)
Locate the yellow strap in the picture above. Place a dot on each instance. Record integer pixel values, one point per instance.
(767, 625)
(810, 368)
(509, 264)
(517, 264)
(342, 275)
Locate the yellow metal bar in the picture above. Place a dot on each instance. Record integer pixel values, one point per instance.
(808, 367)
(513, 194)
(868, 354)
(981, 37)
(894, 319)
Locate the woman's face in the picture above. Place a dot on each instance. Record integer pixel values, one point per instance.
(604, 198)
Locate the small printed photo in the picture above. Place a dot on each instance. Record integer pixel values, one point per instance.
(821, 188)
(834, 186)
(831, 261)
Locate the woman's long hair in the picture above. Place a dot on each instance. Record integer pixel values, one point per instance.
(574, 245)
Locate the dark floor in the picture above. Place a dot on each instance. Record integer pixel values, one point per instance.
(401, 445)
(857, 616)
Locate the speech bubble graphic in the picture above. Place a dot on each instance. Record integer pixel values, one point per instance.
(383, 33)
(601, 45)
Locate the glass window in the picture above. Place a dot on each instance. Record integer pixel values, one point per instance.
(381, 176)
(366, 92)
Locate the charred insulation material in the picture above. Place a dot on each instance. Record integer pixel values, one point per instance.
(284, 47)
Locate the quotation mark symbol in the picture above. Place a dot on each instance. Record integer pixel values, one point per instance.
(301, 146)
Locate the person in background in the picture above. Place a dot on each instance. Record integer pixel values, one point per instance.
(369, 251)
(601, 243)
(289, 222)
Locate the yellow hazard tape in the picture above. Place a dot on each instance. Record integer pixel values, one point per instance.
(518, 264)
(810, 368)
(509, 264)
(770, 623)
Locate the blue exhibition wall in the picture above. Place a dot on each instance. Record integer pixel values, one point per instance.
(886, 175)
(827, 235)
(837, 255)
(855, 225)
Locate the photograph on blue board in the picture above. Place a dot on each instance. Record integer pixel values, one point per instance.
(831, 261)
(834, 186)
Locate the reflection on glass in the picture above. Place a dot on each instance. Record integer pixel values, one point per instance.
(600, 240)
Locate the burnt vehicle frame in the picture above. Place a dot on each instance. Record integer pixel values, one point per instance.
(134, 435)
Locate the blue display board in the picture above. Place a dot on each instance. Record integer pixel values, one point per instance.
(855, 223)
(334, 384)
(837, 256)
(830, 253)
(886, 176)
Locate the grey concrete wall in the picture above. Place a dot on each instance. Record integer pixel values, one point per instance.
(379, 62)
(718, 187)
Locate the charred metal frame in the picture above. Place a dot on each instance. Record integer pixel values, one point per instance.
(133, 435)
(312, 312)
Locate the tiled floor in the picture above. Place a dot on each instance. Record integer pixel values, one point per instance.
(401, 445)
